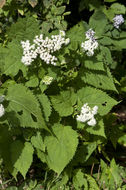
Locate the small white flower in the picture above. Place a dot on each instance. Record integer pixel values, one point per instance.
(89, 46)
(92, 122)
(118, 20)
(62, 33)
(47, 80)
(2, 111)
(90, 34)
(44, 48)
(87, 115)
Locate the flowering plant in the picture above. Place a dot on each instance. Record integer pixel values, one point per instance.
(59, 87)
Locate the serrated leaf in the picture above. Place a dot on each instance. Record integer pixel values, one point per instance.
(12, 62)
(84, 152)
(98, 129)
(93, 97)
(93, 64)
(79, 181)
(96, 20)
(92, 183)
(61, 147)
(24, 29)
(77, 35)
(46, 105)
(120, 44)
(64, 102)
(98, 80)
(37, 142)
(22, 156)
(25, 105)
(33, 82)
(115, 172)
(118, 8)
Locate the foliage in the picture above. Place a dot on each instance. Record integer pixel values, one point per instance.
(39, 128)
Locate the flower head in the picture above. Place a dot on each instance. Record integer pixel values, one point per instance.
(47, 80)
(44, 48)
(118, 20)
(90, 44)
(90, 34)
(87, 114)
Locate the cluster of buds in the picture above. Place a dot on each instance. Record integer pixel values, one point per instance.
(87, 115)
(90, 44)
(44, 48)
(47, 80)
(118, 20)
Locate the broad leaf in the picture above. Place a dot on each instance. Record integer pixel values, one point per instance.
(93, 97)
(64, 102)
(24, 29)
(23, 102)
(61, 147)
(12, 61)
(46, 105)
(22, 156)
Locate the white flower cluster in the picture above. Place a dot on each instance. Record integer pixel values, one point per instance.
(87, 114)
(118, 20)
(44, 48)
(2, 111)
(47, 80)
(90, 44)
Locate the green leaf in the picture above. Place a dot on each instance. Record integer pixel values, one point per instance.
(98, 80)
(79, 181)
(3, 55)
(96, 20)
(93, 97)
(77, 35)
(33, 81)
(98, 129)
(61, 147)
(12, 62)
(114, 169)
(93, 64)
(118, 8)
(26, 106)
(64, 102)
(24, 29)
(84, 152)
(92, 183)
(46, 105)
(120, 44)
(22, 156)
(37, 142)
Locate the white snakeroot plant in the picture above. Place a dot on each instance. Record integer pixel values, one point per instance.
(44, 48)
(87, 115)
(90, 44)
(47, 80)
(2, 111)
(118, 20)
